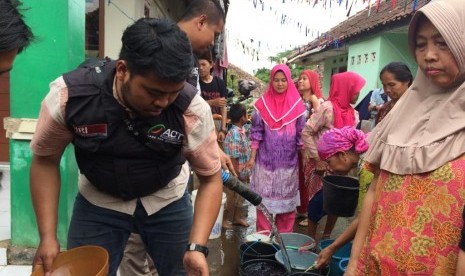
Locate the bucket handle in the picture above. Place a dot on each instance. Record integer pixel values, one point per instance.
(264, 233)
(250, 246)
(340, 263)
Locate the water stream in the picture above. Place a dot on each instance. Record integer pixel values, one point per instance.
(277, 237)
(236, 185)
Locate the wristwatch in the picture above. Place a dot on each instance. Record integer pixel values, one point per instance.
(197, 247)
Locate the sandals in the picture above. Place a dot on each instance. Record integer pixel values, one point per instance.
(303, 222)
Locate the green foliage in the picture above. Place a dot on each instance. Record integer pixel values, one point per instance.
(264, 73)
(231, 82)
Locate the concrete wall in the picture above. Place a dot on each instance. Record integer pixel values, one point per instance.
(59, 26)
(118, 15)
(121, 13)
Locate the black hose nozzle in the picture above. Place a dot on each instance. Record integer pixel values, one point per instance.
(237, 186)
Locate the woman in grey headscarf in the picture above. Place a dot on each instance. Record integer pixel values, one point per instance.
(411, 217)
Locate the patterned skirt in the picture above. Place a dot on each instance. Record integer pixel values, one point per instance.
(416, 223)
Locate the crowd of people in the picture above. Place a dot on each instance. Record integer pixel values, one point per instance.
(135, 202)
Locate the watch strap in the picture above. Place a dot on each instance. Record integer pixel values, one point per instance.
(197, 247)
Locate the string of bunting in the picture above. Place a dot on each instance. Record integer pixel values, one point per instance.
(254, 48)
(336, 42)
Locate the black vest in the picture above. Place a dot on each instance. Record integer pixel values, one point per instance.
(126, 158)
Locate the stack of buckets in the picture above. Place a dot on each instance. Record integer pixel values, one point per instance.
(257, 255)
(340, 258)
(216, 230)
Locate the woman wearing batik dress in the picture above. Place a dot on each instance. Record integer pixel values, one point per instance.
(336, 112)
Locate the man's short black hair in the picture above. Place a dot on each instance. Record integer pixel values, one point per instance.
(157, 46)
(14, 33)
(236, 112)
(211, 8)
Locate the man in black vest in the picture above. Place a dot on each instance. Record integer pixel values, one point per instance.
(202, 21)
(133, 123)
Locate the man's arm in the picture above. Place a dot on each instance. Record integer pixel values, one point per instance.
(45, 191)
(207, 206)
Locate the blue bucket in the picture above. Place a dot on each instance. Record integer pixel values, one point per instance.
(342, 253)
(343, 265)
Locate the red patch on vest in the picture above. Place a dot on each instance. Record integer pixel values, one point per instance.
(91, 130)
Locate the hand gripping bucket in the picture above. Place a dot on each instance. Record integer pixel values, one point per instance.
(80, 261)
(340, 195)
(342, 254)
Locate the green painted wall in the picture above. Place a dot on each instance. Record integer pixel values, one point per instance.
(332, 65)
(59, 26)
(394, 48)
(23, 222)
(363, 58)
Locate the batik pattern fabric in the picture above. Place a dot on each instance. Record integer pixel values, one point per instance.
(236, 144)
(365, 176)
(275, 174)
(416, 223)
(317, 124)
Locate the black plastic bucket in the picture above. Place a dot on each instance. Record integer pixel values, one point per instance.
(340, 195)
(253, 250)
(262, 268)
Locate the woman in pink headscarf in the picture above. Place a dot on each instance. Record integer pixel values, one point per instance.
(343, 149)
(310, 91)
(337, 112)
(276, 139)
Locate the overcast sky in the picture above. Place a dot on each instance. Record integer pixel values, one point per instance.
(265, 30)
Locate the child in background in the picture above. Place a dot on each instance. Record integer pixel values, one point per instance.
(342, 149)
(213, 91)
(236, 145)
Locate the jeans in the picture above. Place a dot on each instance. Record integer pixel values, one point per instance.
(165, 233)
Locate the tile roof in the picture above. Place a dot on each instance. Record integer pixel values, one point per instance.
(364, 23)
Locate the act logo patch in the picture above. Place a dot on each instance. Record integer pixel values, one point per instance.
(161, 133)
(156, 130)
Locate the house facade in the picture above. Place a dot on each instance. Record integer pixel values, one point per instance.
(364, 43)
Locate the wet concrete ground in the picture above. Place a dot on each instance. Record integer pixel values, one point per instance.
(224, 256)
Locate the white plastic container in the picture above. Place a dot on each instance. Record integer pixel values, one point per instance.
(216, 230)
